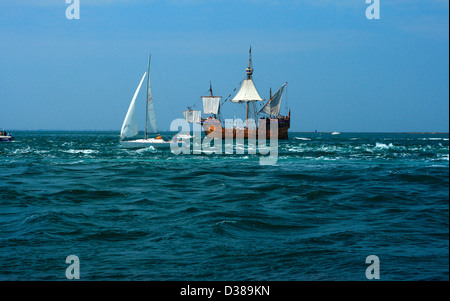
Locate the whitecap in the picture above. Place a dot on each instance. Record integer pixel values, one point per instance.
(226, 222)
(21, 151)
(146, 149)
(297, 150)
(431, 138)
(383, 146)
(81, 151)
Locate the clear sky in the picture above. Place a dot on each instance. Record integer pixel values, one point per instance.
(344, 71)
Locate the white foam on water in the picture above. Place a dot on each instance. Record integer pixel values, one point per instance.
(146, 149)
(433, 138)
(296, 150)
(226, 222)
(21, 151)
(81, 151)
(383, 146)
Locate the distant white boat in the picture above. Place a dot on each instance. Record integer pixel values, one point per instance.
(301, 138)
(335, 133)
(130, 126)
(4, 136)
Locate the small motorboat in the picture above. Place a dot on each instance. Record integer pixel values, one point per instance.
(4, 136)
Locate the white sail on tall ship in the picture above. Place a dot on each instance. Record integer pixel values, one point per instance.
(130, 124)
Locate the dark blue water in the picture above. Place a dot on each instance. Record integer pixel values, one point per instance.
(148, 214)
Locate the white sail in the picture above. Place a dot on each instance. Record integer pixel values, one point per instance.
(192, 116)
(150, 122)
(211, 104)
(130, 126)
(247, 92)
(272, 107)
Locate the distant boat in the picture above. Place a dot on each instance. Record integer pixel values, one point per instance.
(4, 136)
(130, 126)
(302, 138)
(335, 133)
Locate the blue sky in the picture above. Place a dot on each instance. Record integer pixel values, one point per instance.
(344, 72)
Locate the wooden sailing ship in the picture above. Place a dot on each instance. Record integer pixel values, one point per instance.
(248, 96)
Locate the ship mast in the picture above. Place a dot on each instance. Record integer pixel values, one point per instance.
(211, 92)
(210, 88)
(249, 71)
(247, 92)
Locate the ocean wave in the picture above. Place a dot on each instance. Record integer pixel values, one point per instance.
(434, 139)
(21, 151)
(81, 151)
(151, 214)
(142, 151)
(115, 235)
(383, 145)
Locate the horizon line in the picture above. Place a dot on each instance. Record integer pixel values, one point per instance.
(302, 132)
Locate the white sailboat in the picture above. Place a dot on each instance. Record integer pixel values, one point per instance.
(130, 126)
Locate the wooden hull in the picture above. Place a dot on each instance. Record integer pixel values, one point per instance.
(214, 129)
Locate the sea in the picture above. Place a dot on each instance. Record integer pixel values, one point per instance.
(346, 207)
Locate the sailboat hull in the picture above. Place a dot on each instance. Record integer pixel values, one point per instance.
(143, 143)
(214, 129)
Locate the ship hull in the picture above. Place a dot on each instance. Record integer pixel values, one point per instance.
(214, 129)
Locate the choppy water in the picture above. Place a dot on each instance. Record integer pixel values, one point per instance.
(148, 214)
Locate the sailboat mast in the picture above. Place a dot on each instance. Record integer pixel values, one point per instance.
(148, 96)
